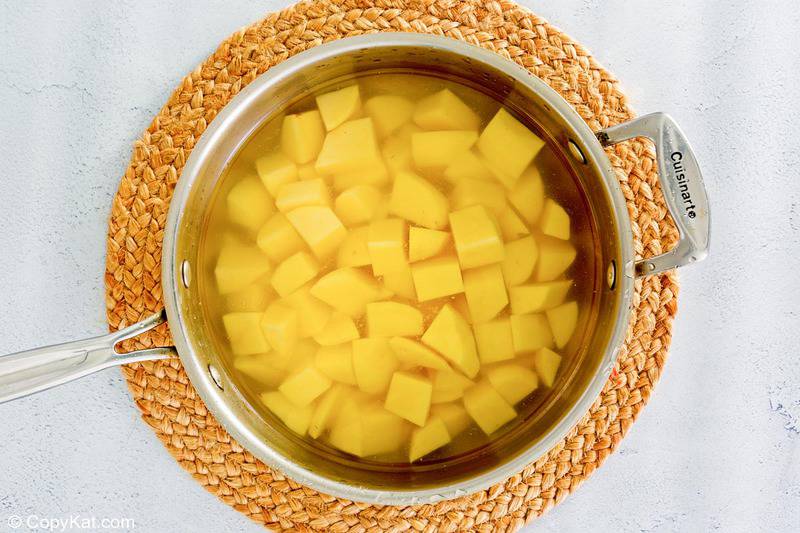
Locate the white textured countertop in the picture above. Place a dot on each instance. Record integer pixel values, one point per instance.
(718, 447)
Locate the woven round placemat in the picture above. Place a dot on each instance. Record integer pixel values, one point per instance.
(162, 390)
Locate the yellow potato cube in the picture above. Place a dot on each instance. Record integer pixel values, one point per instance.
(293, 273)
(337, 107)
(563, 320)
(307, 172)
(386, 243)
(383, 432)
(339, 329)
(511, 226)
(416, 200)
(521, 256)
(400, 282)
(513, 382)
(336, 362)
(319, 227)
(469, 192)
(459, 303)
(487, 408)
(312, 313)
(300, 357)
(302, 193)
(546, 363)
(434, 278)
(278, 238)
(249, 204)
(409, 397)
(453, 415)
(530, 332)
(388, 112)
(296, 418)
(279, 325)
(411, 353)
(449, 386)
(239, 266)
(445, 111)
(555, 257)
(486, 292)
(476, 237)
(303, 387)
(348, 290)
(555, 220)
(396, 152)
(254, 297)
(393, 319)
(276, 170)
(244, 333)
(354, 251)
(426, 439)
(538, 296)
(494, 340)
(467, 165)
(451, 336)
(347, 433)
(259, 368)
(527, 196)
(509, 146)
(374, 363)
(424, 243)
(371, 173)
(302, 135)
(326, 410)
(349, 148)
(436, 150)
(357, 205)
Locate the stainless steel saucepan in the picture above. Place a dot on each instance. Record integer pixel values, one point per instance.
(33, 371)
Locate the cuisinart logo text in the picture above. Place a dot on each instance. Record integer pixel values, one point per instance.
(683, 183)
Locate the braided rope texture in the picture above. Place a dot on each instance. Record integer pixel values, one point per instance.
(162, 390)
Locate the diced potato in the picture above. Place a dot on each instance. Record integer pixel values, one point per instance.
(530, 332)
(336, 362)
(339, 329)
(254, 297)
(374, 363)
(436, 150)
(434, 278)
(546, 363)
(459, 303)
(538, 296)
(393, 319)
(396, 153)
(513, 382)
(467, 165)
(348, 290)
(400, 281)
(509, 146)
(424, 243)
(411, 353)
(349, 148)
(249, 204)
(555, 257)
(259, 368)
(347, 433)
(416, 200)
(239, 266)
(308, 172)
(357, 205)
(555, 220)
(353, 251)
(371, 173)
(449, 386)
(563, 320)
(302, 135)
(312, 313)
(278, 238)
(486, 292)
(469, 192)
(279, 324)
(296, 418)
(386, 243)
(476, 237)
(302, 193)
(494, 340)
(487, 408)
(326, 410)
(511, 226)
(319, 227)
(426, 439)
(383, 432)
(445, 111)
(388, 112)
(527, 196)
(409, 397)
(276, 170)
(453, 415)
(300, 357)
(337, 107)
(521, 256)
(245, 335)
(294, 272)
(451, 336)
(303, 387)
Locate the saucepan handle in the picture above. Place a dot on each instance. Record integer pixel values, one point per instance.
(39, 369)
(682, 183)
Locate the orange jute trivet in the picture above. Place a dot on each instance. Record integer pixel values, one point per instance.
(162, 390)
